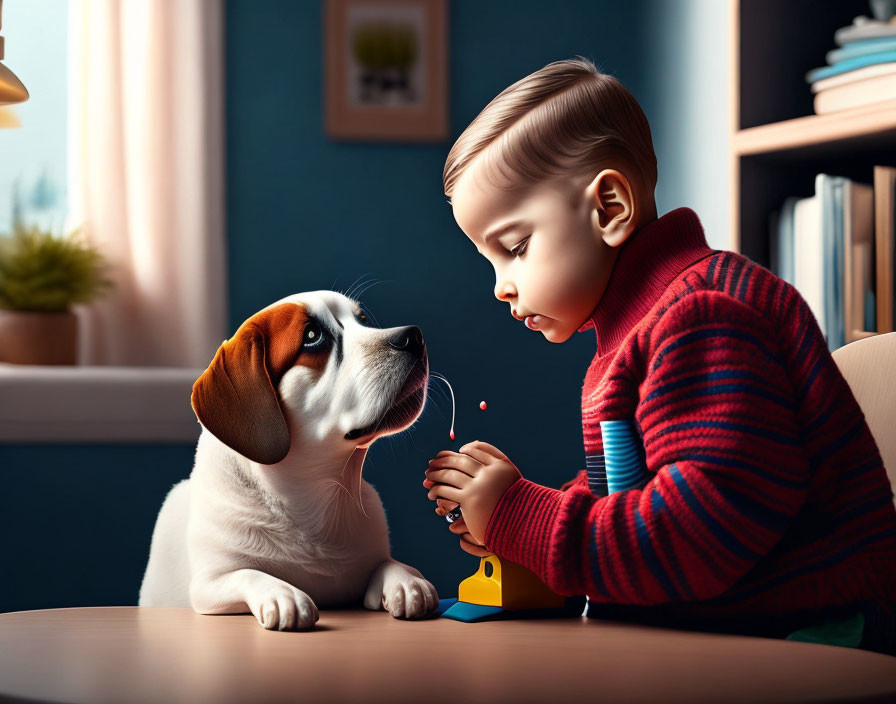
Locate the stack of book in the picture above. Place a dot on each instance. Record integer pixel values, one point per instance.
(862, 71)
(824, 246)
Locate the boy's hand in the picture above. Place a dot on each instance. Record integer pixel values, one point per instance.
(476, 478)
(459, 527)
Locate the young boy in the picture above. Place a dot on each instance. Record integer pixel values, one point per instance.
(765, 508)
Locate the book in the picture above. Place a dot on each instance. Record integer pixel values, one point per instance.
(781, 246)
(816, 74)
(859, 74)
(808, 255)
(884, 213)
(858, 264)
(823, 246)
(863, 27)
(850, 95)
(831, 190)
(862, 47)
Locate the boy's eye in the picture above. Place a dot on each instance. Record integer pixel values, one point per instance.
(520, 248)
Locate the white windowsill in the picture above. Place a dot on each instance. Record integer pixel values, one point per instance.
(97, 404)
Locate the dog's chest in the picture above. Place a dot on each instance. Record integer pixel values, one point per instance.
(332, 563)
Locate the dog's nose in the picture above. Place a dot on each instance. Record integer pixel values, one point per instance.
(409, 339)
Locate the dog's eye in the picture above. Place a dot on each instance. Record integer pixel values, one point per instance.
(362, 318)
(313, 335)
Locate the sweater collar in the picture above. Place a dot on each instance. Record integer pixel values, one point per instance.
(647, 263)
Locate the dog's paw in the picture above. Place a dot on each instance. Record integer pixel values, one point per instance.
(412, 597)
(282, 607)
(401, 590)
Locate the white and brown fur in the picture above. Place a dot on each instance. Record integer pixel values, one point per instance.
(275, 518)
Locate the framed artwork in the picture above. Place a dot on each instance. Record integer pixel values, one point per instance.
(386, 69)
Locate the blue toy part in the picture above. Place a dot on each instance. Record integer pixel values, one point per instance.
(444, 605)
(624, 462)
(466, 612)
(622, 466)
(474, 613)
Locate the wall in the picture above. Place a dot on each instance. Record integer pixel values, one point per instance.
(76, 521)
(686, 100)
(335, 212)
(306, 213)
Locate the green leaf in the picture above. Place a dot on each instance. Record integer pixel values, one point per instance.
(42, 272)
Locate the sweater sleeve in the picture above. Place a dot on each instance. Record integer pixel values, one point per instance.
(726, 462)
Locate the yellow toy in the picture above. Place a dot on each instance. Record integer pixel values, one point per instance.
(508, 585)
(501, 586)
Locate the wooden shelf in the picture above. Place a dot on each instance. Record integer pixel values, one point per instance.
(803, 133)
(777, 147)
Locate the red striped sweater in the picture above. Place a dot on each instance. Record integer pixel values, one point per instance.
(766, 496)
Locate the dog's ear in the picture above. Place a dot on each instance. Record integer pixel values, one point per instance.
(236, 398)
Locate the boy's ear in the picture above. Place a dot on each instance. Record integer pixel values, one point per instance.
(613, 213)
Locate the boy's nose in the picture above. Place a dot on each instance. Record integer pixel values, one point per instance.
(504, 291)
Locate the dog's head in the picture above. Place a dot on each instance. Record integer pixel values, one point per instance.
(310, 366)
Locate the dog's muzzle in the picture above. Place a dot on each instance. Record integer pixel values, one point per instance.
(409, 399)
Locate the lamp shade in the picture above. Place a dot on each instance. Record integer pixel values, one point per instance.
(11, 88)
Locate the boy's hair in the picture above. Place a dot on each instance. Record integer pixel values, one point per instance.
(565, 115)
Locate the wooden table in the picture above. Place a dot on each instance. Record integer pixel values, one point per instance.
(157, 655)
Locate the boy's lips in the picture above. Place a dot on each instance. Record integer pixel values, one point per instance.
(532, 321)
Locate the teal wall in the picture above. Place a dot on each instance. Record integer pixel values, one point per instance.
(304, 213)
(76, 521)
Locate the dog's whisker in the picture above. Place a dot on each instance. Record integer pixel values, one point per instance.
(339, 515)
(453, 404)
(342, 473)
(341, 486)
(358, 499)
(371, 284)
(437, 391)
(347, 292)
(366, 287)
(414, 442)
(361, 498)
(375, 321)
(357, 284)
(371, 315)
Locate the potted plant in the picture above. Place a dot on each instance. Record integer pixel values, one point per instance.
(41, 277)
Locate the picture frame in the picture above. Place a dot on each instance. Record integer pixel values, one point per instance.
(386, 70)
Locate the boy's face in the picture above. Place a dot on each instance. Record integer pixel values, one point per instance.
(545, 243)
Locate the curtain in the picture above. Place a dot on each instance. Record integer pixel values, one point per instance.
(146, 172)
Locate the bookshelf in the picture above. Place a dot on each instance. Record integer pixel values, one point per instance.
(777, 144)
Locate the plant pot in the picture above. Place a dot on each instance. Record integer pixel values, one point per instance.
(27, 337)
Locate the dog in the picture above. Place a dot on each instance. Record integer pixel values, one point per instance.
(275, 518)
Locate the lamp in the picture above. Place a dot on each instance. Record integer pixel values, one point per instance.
(8, 118)
(11, 88)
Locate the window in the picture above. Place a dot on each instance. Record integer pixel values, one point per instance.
(33, 157)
